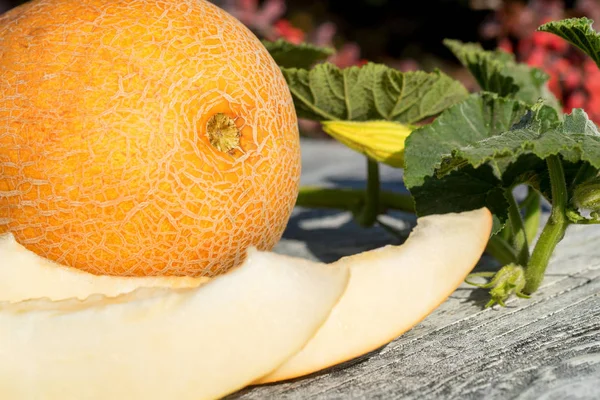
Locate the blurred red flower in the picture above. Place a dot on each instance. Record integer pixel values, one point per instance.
(574, 78)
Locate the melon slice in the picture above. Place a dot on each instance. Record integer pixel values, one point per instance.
(25, 275)
(158, 343)
(392, 289)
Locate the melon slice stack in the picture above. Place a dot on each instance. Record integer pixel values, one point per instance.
(71, 335)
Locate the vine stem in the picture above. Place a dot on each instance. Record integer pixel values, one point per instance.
(554, 230)
(501, 250)
(519, 232)
(533, 214)
(367, 216)
(585, 172)
(351, 199)
(507, 233)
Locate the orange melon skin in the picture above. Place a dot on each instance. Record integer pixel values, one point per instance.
(105, 162)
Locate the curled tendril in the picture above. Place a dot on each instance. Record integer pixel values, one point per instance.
(575, 217)
(509, 280)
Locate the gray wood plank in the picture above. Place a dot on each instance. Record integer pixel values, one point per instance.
(547, 347)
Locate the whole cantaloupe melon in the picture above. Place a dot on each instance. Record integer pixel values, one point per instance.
(142, 137)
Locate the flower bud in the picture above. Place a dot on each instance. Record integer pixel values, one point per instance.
(510, 279)
(381, 141)
(587, 195)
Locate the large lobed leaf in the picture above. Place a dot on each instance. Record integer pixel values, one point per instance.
(371, 92)
(485, 66)
(498, 72)
(578, 32)
(576, 139)
(466, 189)
(479, 117)
(478, 149)
(303, 55)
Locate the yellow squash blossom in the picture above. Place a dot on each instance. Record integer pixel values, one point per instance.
(381, 141)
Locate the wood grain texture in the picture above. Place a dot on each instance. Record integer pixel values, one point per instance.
(547, 347)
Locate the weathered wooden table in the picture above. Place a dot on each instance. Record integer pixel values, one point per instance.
(547, 347)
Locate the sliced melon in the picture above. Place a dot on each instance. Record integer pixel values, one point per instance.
(392, 289)
(157, 343)
(25, 275)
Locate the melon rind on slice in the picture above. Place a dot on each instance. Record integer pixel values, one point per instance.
(393, 288)
(25, 275)
(158, 343)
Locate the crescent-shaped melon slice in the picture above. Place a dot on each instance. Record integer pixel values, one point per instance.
(392, 289)
(159, 343)
(25, 275)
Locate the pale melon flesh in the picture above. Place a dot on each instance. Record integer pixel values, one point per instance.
(157, 343)
(392, 289)
(25, 275)
(389, 291)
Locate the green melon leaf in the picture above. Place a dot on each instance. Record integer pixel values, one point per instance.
(481, 116)
(464, 187)
(498, 72)
(576, 140)
(371, 92)
(578, 32)
(487, 145)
